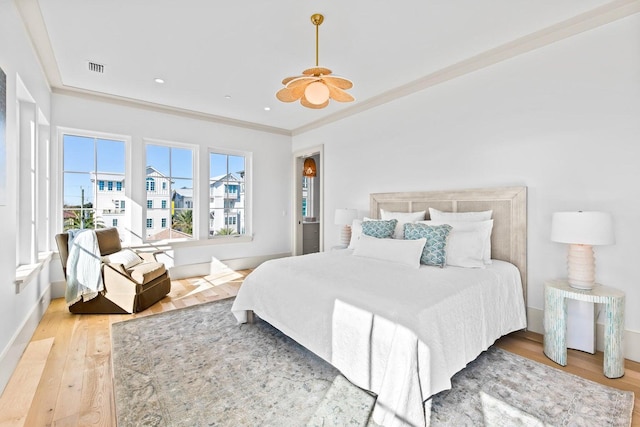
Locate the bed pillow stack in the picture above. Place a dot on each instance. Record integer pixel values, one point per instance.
(469, 243)
(461, 239)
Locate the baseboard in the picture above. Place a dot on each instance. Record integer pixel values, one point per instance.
(205, 268)
(631, 339)
(12, 353)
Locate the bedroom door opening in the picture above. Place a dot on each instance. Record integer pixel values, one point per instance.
(307, 234)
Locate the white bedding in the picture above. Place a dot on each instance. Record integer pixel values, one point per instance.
(452, 313)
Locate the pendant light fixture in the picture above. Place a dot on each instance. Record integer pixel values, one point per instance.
(309, 168)
(316, 85)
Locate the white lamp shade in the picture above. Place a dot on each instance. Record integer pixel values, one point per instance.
(345, 216)
(583, 228)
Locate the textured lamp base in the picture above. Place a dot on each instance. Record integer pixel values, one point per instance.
(345, 235)
(582, 267)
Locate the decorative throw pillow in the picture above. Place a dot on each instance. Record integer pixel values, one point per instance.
(435, 251)
(381, 229)
(126, 257)
(404, 252)
(403, 218)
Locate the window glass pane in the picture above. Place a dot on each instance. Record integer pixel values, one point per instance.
(158, 158)
(181, 163)
(78, 153)
(110, 155)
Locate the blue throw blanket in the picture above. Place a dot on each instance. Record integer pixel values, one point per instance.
(84, 277)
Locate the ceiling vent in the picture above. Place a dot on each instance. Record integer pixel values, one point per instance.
(96, 68)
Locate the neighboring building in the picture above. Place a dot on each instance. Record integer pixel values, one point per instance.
(158, 203)
(111, 203)
(227, 203)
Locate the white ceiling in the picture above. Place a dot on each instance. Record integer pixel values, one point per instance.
(206, 49)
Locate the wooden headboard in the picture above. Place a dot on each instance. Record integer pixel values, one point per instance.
(509, 205)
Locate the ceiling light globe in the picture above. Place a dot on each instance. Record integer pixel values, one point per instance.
(317, 93)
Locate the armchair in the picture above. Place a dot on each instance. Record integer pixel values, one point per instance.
(126, 289)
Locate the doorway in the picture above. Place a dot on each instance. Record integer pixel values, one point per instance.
(308, 201)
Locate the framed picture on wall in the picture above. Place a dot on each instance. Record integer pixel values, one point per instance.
(3, 140)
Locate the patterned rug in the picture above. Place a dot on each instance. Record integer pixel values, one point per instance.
(197, 367)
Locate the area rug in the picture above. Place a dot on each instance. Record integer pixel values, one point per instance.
(197, 367)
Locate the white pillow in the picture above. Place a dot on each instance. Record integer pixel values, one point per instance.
(126, 257)
(437, 215)
(403, 218)
(356, 232)
(469, 243)
(404, 252)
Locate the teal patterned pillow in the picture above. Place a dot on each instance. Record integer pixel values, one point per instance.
(382, 229)
(435, 251)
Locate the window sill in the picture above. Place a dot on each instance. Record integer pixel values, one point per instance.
(167, 244)
(26, 272)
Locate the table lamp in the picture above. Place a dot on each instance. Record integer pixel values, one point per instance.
(345, 218)
(582, 230)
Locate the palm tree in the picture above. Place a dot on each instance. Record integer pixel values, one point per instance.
(183, 221)
(227, 231)
(74, 219)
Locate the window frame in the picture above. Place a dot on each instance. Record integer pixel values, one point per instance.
(248, 195)
(195, 149)
(59, 202)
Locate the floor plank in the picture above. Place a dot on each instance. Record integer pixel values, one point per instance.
(24, 383)
(71, 384)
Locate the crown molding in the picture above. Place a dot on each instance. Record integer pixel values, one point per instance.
(160, 108)
(584, 22)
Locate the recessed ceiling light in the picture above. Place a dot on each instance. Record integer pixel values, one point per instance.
(227, 97)
(267, 108)
(158, 80)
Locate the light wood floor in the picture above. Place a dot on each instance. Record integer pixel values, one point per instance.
(65, 376)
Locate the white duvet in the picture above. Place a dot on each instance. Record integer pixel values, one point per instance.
(400, 332)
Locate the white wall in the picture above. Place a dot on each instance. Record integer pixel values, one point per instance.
(563, 120)
(17, 311)
(271, 199)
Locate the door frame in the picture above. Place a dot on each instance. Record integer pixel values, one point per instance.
(296, 210)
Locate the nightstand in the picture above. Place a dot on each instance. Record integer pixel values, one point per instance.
(556, 293)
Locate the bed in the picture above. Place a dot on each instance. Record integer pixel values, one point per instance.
(400, 332)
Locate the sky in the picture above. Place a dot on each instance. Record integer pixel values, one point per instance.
(82, 155)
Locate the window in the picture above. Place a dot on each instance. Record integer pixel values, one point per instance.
(227, 194)
(149, 204)
(122, 204)
(88, 161)
(101, 185)
(32, 199)
(149, 222)
(119, 186)
(172, 168)
(114, 222)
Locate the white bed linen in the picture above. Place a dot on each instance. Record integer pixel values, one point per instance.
(454, 314)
